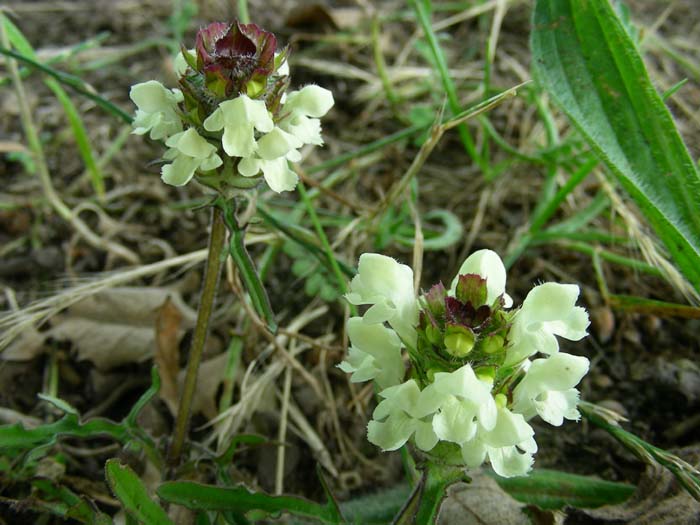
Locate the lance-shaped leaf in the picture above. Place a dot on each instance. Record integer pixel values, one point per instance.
(584, 57)
(132, 493)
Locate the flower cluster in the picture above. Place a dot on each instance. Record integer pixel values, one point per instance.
(231, 112)
(472, 383)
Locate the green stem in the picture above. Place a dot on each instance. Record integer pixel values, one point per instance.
(423, 504)
(206, 306)
(243, 15)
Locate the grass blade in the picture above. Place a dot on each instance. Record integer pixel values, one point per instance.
(585, 59)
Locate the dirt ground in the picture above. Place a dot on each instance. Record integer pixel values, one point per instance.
(643, 365)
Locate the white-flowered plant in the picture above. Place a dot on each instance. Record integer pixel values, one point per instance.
(470, 388)
(233, 97)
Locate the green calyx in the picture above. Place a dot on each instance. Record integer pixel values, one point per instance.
(461, 328)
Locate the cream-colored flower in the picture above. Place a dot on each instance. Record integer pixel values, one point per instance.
(509, 445)
(375, 353)
(388, 287)
(402, 413)
(548, 388)
(549, 310)
(157, 110)
(239, 118)
(189, 153)
(465, 401)
(303, 109)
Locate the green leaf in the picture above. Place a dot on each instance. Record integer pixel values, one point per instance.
(129, 489)
(197, 496)
(17, 437)
(551, 489)
(65, 503)
(246, 267)
(584, 57)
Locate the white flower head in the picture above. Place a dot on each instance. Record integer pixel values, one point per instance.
(464, 401)
(402, 413)
(509, 445)
(488, 265)
(548, 388)
(303, 110)
(239, 118)
(549, 310)
(189, 153)
(157, 109)
(375, 354)
(388, 286)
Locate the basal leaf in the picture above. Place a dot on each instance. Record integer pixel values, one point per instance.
(584, 57)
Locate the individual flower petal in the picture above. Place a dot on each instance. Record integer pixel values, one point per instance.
(548, 388)
(393, 433)
(277, 173)
(307, 130)
(548, 310)
(509, 462)
(473, 453)
(388, 286)
(487, 264)
(277, 143)
(375, 354)
(189, 153)
(311, 101)
(157, 110)
(511, 429)
(239, 118)
(180, 172)
(456, 421)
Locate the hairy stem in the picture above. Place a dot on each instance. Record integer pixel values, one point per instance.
(206, 306)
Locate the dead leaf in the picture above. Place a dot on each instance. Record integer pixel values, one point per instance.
(658, 500)
(130, 305)
(110, 328)
(167, 356)
(106, 345)
(481, 501)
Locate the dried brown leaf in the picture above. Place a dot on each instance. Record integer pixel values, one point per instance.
(167, 356)
(110, 328)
